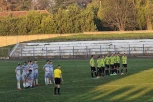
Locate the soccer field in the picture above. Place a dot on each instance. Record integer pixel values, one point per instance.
(78, 86)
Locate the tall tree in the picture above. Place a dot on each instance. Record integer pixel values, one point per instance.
(121, 15)
(144, 13)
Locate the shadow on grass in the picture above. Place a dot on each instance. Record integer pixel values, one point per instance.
(137, 86)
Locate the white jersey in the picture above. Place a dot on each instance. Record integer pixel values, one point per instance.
(35, 67)
(51, 68)
(47, 68)
(24, 69)
(30, 66)
(18, 68)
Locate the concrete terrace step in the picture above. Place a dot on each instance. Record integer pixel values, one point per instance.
(84, 48)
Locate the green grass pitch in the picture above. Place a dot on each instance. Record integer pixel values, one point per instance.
(136, 86)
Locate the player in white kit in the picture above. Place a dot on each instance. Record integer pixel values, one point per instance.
(24, 74)
(35, 66)
(46, 69)
(51, 73)
(30, 75)
(18, 75)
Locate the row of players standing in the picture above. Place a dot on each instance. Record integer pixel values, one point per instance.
(30, 74)
(108, 65)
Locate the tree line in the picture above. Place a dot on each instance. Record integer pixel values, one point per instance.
(72, 20)
(98, 15)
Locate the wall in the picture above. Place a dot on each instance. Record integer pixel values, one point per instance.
(9, 40)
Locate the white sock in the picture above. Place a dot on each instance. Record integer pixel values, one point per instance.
(47, 81)
(18, 85)
(36, 81)
(50, 81)
(27, 84)
(54, 81)
(24, 84)
(31, 82)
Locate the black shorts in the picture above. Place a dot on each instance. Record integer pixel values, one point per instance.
(112, 66)
(124, 65)
(102, 68)
(99, 70)
(117, 65)
(93, 69)
(107, 66)
(57, 80)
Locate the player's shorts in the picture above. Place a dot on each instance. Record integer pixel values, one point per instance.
(99, 70)
(93, 69)
(107, 66)
(57, 80)
(102, 68)
(47, 75)
(51, 75)
(124, 65)
(24, 77)
(31, 76)
(36, 75)
(112, 66)
(117, 65)
(18, 77)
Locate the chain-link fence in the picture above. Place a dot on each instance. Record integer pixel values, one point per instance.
(4, 52)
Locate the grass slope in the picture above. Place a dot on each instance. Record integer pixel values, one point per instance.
(137, 86)
(84, 37)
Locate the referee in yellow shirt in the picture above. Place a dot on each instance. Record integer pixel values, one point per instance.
(58, 79)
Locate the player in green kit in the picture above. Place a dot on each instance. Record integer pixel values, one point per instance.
(103, 65)
(107, 62)
(99, 71)
(92, 66)
(118, 63)
(124, 63)
(115, 67)
(112, 64)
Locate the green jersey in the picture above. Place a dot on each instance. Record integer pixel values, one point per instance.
(112, 60)
(102, 62)
(99, 63)
(92, 62)
(117, 59)
(124, 59)
(107, 60)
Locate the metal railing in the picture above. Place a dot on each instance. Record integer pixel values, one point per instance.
(76, 52)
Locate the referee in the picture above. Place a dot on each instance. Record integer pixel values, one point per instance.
(58, 79)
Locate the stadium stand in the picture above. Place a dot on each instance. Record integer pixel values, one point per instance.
(82, 48)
